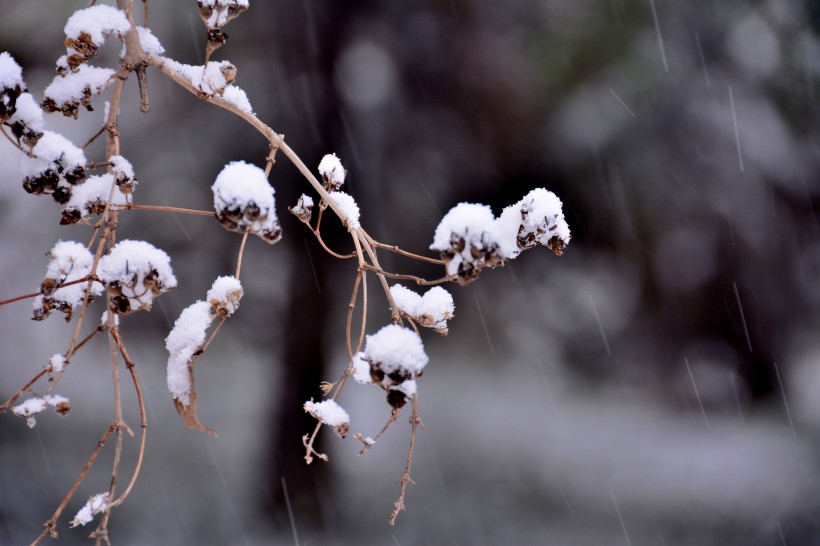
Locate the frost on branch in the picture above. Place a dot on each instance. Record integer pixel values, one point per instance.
(148, 42)
(392, 358)
(331, 414)
(333, 174)
(95, 505)
(11, 85)
(33, 406)
(349, 206)
(470, 238)
(135, 272)
(87, 29)
(186, 342)
(73, 88)
(69, 261)
(26, 122)
(432, 310)
(243, 201)
(92, 197)
(54, 167)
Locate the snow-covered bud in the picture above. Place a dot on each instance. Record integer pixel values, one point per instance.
(87, 29)
(333, 174)
(135, 272)
(303, 209)
(395, 354)
(33, 406)
(11, 85)
(218, 13)
(331, 414)
(432, 310)
(537, 219)
(123, 174)
(466, 241)
(224, 296)
(55, 165)
(69, 261)
(92, 197)
(243, 200)
(69, 90)
(26, 122)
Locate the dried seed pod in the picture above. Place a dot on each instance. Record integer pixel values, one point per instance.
(303, 209)
(244, 202)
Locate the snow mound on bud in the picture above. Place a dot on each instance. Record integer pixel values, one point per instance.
(224, 295)
(396, 349)
(333, 174)
(243, 201)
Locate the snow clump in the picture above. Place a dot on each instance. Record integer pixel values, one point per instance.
(333, 174)
(87, 29)
(224, 296)
(185, 340)
(54, 167)
(244, 202)
(331, 414)
(470, 238)
(136, 272)
(95, 505)
(392, 358)
(432, 310)
(69, 261)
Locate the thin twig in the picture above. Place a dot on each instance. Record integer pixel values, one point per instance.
(93, 137)
(241, 252)
(398, 506)
(51, 524)
(134, 206)
(328, 250)
(397, 250)
(15, 144)
(418, 280)
(129, 364)
(23, 389)
(35, 294)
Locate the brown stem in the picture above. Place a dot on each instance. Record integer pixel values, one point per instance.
(51, 524)
(241, 252)
(35, 294)
(418, 280)
(328, 250)
(15, 144)
(397, 250)
(129, 364)
(398, 506)
(134, 206)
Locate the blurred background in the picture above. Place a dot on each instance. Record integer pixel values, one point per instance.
(655, 385)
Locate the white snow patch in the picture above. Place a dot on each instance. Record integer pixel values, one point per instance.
(348, 206)
(225, 294)
(185, 339)
(396, 349)
(95, 505)
(11, 75)
(328, 412)
(98, 22)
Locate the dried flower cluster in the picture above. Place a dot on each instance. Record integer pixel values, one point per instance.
(133, 273)
(471, 239)
(244, 202)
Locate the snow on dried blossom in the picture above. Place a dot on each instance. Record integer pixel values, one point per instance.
(135, 273)
(243, 201)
